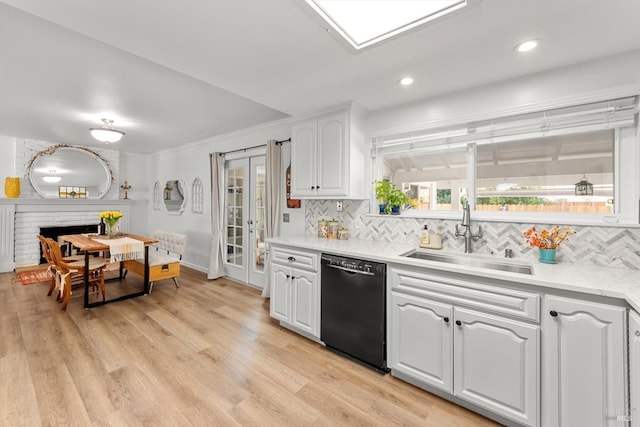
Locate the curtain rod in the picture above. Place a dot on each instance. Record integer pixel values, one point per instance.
(255, 146)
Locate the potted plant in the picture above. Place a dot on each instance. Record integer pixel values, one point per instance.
(397, 199)
(383, 191)
(548, 241)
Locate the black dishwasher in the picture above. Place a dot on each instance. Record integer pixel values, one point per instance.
(353, 309)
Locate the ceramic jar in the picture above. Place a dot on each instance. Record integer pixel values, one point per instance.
(12, 187)
(548, 256)
(332, 229)
(343, 234)
(322, 228)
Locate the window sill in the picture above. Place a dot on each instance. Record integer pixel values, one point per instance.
(516, 218)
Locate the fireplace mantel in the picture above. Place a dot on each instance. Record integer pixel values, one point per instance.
(21, 219)
(65, 202)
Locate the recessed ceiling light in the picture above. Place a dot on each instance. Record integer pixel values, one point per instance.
(406, 81)
(526, 46)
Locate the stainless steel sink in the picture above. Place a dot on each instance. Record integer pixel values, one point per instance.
(511, 267)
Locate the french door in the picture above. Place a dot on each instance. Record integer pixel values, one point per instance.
(245, 219)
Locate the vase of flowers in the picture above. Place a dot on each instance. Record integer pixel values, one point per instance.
(111, 218)
(548, 241)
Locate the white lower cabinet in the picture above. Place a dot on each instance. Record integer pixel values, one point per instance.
(295, 292)
(496, 364)
(634, 367)
(584, 362)
(489, 360)
(421, 340)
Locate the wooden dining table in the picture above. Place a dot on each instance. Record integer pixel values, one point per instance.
(87, 244)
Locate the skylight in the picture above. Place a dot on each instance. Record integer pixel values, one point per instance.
(366, 22)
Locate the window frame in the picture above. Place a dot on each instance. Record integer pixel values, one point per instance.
(626, 182)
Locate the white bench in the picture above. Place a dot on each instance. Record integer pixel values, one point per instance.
(164, 258)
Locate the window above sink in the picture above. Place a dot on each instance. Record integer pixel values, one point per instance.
(522, 167)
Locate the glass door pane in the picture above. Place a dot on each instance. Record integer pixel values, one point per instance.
(257, 226)
(245, 219)
(235, 207)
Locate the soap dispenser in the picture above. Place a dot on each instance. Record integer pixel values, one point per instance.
(430, 240)
(426, 237)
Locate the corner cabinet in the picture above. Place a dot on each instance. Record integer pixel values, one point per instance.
(448, 332)
(329, 156)
(585, 363)
(295, 290)
(634, 367)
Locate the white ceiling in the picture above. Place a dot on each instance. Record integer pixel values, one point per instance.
(170, 72)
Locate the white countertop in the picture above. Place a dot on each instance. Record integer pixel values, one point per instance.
(589, 279)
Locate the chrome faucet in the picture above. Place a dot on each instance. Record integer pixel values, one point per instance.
(466, 223)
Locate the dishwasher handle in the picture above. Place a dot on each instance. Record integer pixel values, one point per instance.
(348, 270)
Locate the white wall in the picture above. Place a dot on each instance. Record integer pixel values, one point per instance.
(133, 169)
(585, 82)
(7, 158)
(191, 161)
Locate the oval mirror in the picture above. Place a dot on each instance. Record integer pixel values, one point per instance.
(69, 172)
(174, 196)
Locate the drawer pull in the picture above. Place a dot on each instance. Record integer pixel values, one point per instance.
(459, 323)
(165, 267)
(553, 313)
(292, 259)
(446, 320)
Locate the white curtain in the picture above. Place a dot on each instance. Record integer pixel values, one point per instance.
(216, 263)
(273, 201)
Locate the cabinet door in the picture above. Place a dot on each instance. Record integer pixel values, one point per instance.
(584, 363)
(332, 155)
(496, 364)
(303, 159)
(420, 340)
(305, 302)
(280, 301)
(634, 367)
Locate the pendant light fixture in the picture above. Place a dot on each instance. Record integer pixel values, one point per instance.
(106, 133)
(52, 177)
(584, 187)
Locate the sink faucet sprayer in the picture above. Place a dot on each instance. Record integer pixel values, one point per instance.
(466, 223)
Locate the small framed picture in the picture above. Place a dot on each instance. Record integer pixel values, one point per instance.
(72, 192)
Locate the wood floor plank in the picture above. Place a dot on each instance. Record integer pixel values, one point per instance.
(19, 405)
(204, 354)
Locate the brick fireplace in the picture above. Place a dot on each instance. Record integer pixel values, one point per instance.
(22, 219)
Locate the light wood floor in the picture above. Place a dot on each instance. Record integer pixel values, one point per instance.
(204, 354)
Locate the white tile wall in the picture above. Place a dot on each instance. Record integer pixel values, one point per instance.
(606, 246)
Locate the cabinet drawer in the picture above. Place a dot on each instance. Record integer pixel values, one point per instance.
(295, 257)
(463, 290)
(156, 272)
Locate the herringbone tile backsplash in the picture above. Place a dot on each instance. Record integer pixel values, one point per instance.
(606, 246)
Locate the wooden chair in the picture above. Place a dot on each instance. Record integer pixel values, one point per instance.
(71, 270)
(52, 269)
(164, 261)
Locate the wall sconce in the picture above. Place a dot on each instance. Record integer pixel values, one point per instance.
(126, 187)
(167, 191)
(584, 187)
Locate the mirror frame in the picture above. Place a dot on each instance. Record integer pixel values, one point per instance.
(184, 199)
(52, 150)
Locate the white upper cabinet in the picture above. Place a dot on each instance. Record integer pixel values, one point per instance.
(329, 156)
